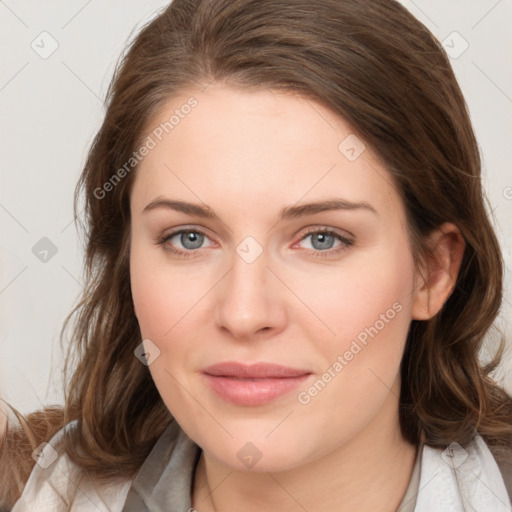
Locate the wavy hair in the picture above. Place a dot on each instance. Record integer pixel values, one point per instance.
(374, 65)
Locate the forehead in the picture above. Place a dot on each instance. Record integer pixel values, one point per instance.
(250, 150)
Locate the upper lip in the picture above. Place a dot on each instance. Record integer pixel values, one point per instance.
(253, 371)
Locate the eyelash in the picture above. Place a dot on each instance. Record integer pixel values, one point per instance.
(345, 242)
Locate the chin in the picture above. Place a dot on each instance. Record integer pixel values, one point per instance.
(252, 448)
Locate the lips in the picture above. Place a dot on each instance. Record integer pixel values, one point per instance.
(255, 384)
(253, 371)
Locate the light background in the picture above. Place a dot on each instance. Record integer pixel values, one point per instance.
(50, 109)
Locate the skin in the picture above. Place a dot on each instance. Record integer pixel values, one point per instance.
(247, 155)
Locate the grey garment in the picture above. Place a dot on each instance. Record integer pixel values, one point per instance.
(164, 481)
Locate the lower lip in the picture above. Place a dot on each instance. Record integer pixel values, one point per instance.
(253, 391)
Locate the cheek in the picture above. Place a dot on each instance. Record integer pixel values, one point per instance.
(153, 303)
(369, 293)
(163, 295)
(370, 312)
(369, 309)
(379, 302)
(164, 300)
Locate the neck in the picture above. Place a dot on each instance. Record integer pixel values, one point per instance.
(369, 472)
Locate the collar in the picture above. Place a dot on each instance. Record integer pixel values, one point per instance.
(164, 480)
(458, 479)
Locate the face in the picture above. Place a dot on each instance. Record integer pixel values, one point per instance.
(228, 264)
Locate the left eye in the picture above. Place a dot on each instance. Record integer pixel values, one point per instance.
(189, 240)
(322, 240)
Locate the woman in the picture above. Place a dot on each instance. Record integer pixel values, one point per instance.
(290, 275)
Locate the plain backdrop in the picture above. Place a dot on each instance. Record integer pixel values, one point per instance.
(56, 62)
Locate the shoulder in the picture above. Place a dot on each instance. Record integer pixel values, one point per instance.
(462, 478)
(56, 484)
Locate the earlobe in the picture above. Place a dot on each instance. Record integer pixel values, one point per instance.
(436, 278)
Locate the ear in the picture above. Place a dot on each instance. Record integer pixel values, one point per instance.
(437, 275)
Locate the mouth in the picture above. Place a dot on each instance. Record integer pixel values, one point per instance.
(254, 384)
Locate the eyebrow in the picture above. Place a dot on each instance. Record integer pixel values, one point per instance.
(286, 213)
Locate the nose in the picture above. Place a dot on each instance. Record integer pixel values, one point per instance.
(250, 300)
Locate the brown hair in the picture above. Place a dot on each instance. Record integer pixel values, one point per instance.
(376, 66)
